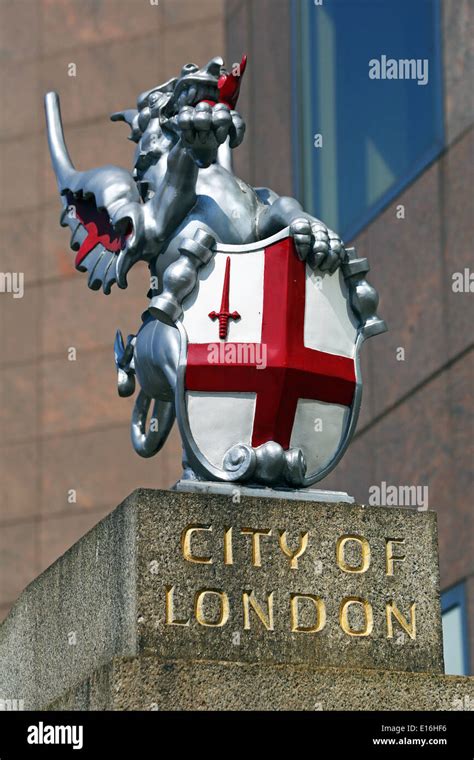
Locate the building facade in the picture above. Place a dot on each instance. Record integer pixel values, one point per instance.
(387, 160)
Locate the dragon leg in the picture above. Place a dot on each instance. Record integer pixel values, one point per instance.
(155, 360)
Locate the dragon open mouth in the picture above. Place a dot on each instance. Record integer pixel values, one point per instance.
(196, 91)
(211, 84)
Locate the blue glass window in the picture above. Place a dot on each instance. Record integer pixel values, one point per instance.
(455, 633)
(367, 78)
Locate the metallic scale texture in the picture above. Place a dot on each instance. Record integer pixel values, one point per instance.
(266, 390)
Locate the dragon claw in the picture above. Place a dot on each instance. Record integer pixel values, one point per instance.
(317, 245)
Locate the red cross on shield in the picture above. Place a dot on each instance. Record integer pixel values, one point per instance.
(285, 370)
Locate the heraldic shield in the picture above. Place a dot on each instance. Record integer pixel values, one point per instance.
(269, 384)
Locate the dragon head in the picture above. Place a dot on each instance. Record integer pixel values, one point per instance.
(212, 84)
(151, 123)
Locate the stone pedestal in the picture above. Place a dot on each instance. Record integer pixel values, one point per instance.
(209, 601)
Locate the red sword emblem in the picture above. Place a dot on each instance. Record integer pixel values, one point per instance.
(224, 314)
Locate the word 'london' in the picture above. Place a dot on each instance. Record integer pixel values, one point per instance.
(260, 611)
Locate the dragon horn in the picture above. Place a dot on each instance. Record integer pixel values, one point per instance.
(62, 164)
(130, 116)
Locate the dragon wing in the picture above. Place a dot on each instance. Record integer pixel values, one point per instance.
(102, 207)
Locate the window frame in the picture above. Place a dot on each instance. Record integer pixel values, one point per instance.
(456, 597)
(420, 165)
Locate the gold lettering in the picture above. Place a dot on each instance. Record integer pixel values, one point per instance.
(170, 613)
(228, 554)
(344, 616)
(186, 544)
(364, 551)
(410, 628)
(256, 554)
(223, 611)
(249, 601)
(293, 556)
(320, 608)
(389, 557)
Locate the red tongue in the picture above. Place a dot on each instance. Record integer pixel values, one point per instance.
(229, 85)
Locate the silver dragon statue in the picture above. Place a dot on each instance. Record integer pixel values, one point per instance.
(208, 236)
